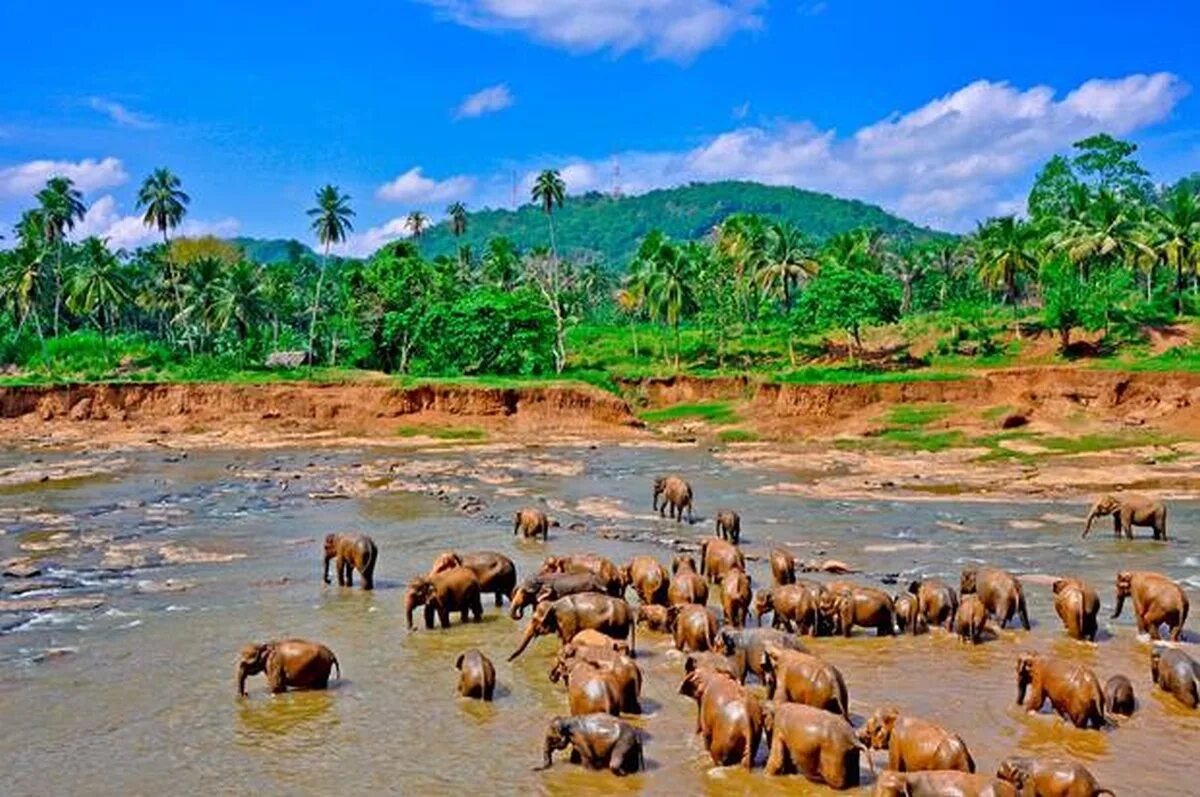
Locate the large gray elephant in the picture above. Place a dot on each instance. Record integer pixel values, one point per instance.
(1129, 510)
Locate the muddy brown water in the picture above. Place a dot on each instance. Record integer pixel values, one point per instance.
(138, 695)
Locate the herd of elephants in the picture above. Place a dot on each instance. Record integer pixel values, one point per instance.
(804, 720)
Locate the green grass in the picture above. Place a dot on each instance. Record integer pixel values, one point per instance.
(850, 375)
(736, 436)
(718, 413)
(1093, 443)
(921, 440)
(443, 432)
(996, 413)
(918, 414)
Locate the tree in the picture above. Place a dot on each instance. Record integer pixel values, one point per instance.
(457, 213)
(416, 222)
(548, 191)
(165, 203)
(556, 282)
(1105, 230)
(848, 299)
(239, 302)
(1049, 199)
(907, 269)
(331, 223)
(669, 282)
(98, 288)
(1175, 236)
(1067, 301)
(1006, 250)
(61, 205)
(1108, 164)
(396, 291)
(501, 263)
(787, 260)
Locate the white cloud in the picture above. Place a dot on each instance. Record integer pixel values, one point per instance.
(673, 29)
(489, 100)
(948, 163)
(120, 114)
(26, 179)
(104, 220)
(366, 243)
(416, 188)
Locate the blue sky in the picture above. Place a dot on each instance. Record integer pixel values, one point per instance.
(939, 111)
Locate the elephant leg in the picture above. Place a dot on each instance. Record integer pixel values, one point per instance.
(499, 599)
(339, 564)
(429, 610)
(1117, 525)
(622, 757)
(477, 608)
(777, 758)
(349, 573)
(276, 677)
(1127, 525)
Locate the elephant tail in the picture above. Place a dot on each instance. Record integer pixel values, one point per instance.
(632, 638)
(1023, 613)
(337, 667)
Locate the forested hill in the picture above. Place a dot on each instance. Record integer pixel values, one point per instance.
(266, 250)
(598, 224)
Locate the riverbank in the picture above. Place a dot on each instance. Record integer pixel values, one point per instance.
(1029, 432)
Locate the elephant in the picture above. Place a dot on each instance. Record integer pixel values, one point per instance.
(940, 783)
(729, 525)
(693, 626)
(657, 618)
(1049, 777)
(476, 675)
(908, 616)
(717, 557)
(1072, 689)
(729, 718)
(1077, 605)
(590, 689)
(795, 607)
(551, 586)
(864, 606)
(288, 663)
(735, 597)
(687, 586)
(1000, 592)
(745, 647)
(591, 638)
(805, 678)
(1129, 510)
(573, 613)
(613, 576)
(817, 744)
(783, 566)
(1119, 699)
(598, 741)
(531, 523)
(625, 672)
(496, 573)
(649, 579)
(677, 496)
(914, 744)
(1177, 674)
(936, 602)
(453, 590)
(708, 660)
(350, 552)
(1157, 600)
(971, 620)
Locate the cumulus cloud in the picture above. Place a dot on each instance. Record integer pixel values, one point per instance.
(104, 220)
(672, 29)
(25, 179)
(489, 100)
(956, 159)
(120, 114)
(414, 187)
(366, 243)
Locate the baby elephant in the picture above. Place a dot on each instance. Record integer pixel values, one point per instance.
(598, 741)
(940, 783)
(531, 523)
(1177, 674)
(1077, 605)
(351, 552)
(1049, 777)
(294, 663)
(1072, 689)
(1000, 592)
(729, 525)
(1118, 696)
(476, 675)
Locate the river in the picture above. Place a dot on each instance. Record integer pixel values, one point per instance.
(194, 556)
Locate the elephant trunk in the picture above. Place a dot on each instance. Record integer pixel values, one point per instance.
(242, 672)
(1120, 605)
(547, 758)
(530, 633)
(409, 605)
(325, 569)
(1087, 529)
(1021, 687)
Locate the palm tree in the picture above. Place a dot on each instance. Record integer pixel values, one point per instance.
(239, 300)
(61, 205)
(331, 223)
(1176, 236)
(164, 201)
(788, 259)
(457, 213)
(416, 222)
(669, 289)
(1006, 250)
(1102, 229)
(98, 288)
(549, 190)
(501, 263)
(744, 239)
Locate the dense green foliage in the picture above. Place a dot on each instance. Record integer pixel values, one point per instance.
(1104, 255)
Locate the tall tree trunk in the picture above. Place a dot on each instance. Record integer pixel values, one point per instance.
(312, 319)
(633, 331)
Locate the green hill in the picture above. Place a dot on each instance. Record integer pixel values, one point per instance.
(264, 250)
(611, 228)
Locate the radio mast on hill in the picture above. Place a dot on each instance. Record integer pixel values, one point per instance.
(616, 178)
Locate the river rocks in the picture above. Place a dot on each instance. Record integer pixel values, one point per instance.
(49, 604)
(21, 568)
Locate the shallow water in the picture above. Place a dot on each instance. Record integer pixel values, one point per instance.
(138, 696)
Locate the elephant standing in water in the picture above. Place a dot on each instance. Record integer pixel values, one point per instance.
(496, 573)
(1128, 511)
(1157, 600)
(1000, 592)
(915, 744)
(1072, 689)
(476, 675)
(574, 613)
(1077, 605)
(676, 494)
(350, 552)
(598, 741)
(1051, 777)
(729, 525)
(531, 523)
(818, 744)
(453, 590)
(941, 783)
(295, 663)
(1177, 674)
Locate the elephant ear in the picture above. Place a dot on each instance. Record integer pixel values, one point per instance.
(544, 594)
(458, 662)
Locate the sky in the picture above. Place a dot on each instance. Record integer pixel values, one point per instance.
(938, 111)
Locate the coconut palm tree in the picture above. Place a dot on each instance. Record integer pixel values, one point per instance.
(1105, 229)
(1175, 235)
(61, 205)
(787, 260)
(98, 288)
(548, 191)
(501, 263)
(670, 283)
(164, 201)
(1006, 249)
(457, 213)
(331, 223)
(416, 222)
